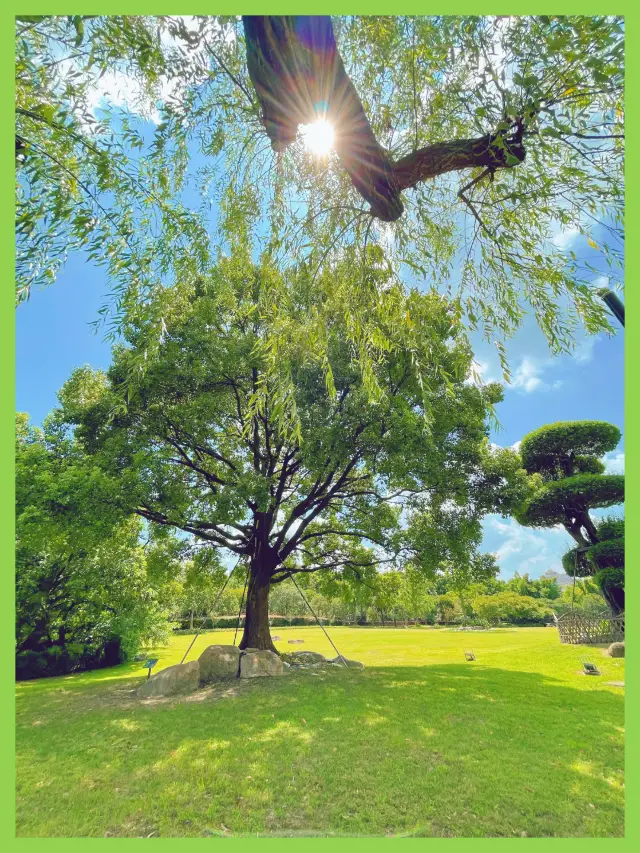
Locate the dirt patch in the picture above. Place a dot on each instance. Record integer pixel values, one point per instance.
(124, 697)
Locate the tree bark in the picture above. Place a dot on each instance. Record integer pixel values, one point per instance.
(299, 76)
(443, 157)
(614, 596)
(257, 634)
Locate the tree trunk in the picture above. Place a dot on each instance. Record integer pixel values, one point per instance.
(191, 621)
(614, 596)
(257, 634)
(299, 76)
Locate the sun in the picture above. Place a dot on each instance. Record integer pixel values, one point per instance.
(318, 137)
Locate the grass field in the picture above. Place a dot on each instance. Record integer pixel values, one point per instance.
(420, 743)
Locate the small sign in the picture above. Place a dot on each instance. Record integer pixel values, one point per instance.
(469, 655)
(149, 665)
(590, 668)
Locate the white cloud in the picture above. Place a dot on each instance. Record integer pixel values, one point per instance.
(479, 374)
(583, 352)
(614, 462)
(527, 376)
(564, 238)
(516, 446)
(524, 550)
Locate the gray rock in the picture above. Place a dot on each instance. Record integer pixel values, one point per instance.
(307, 657)
(352, 664)
(275, 638)
(616, 650)
(259, 663)
(218, 663)
(180, 678)
(295, 641)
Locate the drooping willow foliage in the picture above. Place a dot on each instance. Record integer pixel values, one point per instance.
(160, 180)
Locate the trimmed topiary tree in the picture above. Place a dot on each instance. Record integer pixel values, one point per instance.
(565, 459)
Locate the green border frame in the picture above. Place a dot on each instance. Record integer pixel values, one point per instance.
(631, 10)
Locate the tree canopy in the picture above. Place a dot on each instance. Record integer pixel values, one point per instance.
(361, 484)
(502, 131)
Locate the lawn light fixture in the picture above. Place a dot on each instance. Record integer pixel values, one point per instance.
(469, 655)
(590, 668)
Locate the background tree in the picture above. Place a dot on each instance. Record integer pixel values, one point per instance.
(200, 449)
(511, 607)
(88, 591)
(286, 601)
(453, 103)
(565, 456)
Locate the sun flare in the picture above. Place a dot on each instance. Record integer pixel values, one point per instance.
(318, 137)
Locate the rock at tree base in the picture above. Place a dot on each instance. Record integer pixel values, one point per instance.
(295, 641)
(352, 664)
(218, 663)
(275, 638)
(306, 657)
(616, 650)
(180, 678)
(259, 663)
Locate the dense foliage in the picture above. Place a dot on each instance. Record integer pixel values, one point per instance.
(144, 181)
(88, 592)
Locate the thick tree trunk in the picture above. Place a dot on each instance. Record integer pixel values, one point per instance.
(257, 634)
(614, 596)
(298, 74)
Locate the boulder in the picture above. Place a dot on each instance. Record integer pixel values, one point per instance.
(292, 642)
(352, 664)
(218, 663)
(180, 678)
(307, 657)
(259, 663)
(616, 650)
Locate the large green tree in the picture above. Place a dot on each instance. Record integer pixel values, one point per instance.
(566, 457)
(358, 485)
(499, 131)
(88, 589)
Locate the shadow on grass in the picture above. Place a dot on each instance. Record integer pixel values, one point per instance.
(443, 750)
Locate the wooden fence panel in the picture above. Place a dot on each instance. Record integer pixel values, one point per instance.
(577, 628)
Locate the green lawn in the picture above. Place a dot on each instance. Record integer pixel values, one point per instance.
(421, 743)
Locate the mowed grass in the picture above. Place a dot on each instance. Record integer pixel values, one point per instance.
(420, 743)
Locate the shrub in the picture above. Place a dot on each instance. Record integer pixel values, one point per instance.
(607, 554)
(511, 607)
(610, 528)
(610, 578)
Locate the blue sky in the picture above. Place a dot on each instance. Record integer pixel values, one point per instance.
(54, 336)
